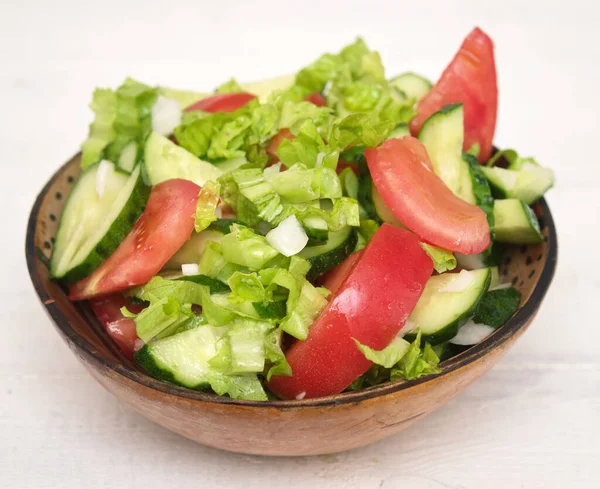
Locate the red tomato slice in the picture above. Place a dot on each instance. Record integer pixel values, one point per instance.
(371, 306)
(342, 165)
(471, 79)
(334, 278)
(224, 102)
(166, 223)
(402, 173)
(316, 99)
(120, 329)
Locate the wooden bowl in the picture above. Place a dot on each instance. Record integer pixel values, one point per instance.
(305, 427)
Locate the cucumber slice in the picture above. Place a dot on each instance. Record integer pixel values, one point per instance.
(128, 157)
(183, 358)
(192, 250)
(413, 85)
(92, 227)
(516, 223)
(489, 258)
(476, 190)
(164, 160)
(223, 225)
(442, 135)
(382, 210)
(324, 257)
(528, 183)
(440, 314)
(400, 131)
(316, 230)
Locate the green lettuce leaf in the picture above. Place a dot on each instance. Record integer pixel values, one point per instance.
(246, 387)
(208, 199)
(104, 105)
(278, 364)
(367, 229)
(416, 362)
(299, 184)
(246, 248)
(230, 86)
(443, 260)
(389, 356)
(303, 310)
(349, 182)
(246, 287)
(133, 121)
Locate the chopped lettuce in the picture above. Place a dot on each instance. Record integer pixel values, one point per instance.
(230, 86)
(244, 247)
(389, 356)
(102, 133)
(416, 362)
(208, 199)
(443, 260)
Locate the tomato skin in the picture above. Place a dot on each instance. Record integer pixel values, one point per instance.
(223, 102)
(401, 171)
(166, 223)
(342, 165)
(471, 79)
(371, 305)
(334, 278)
(317, 99)
(120, 329)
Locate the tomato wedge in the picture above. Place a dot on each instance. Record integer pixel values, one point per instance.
(223, 102)
(471, 79)
(371, 305)
(317, 99)
(166, 223)
(120, 329)
(402, 173)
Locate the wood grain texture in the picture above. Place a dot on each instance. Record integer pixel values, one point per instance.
(308, 427)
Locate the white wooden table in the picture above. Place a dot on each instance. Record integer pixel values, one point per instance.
(530, 423)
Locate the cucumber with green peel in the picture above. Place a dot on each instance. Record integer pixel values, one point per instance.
(489, 258)
(412, 85)
(442, 135)
(516, 223)
(323, 258)
(497, 307)
(164, 160)
(215, 286)
(383, 212)
(476, 190)
(528, 183)
(183, 358)
(270, 309)
(129, 157)
(102, 208)
(193, 249)
(400, 131)
(316, 229)
(448, 301)
(223, 225)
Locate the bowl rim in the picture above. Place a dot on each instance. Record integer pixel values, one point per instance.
(83, 348)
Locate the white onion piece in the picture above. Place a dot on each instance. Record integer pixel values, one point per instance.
(104, 168)
(189, 269)
(320, 157)
(288, 238)
(301, 396)
(219, 211)
(138, 345)
(501, 286)
(166, 115)
(472, 333)
(460, 283)
(269, 171)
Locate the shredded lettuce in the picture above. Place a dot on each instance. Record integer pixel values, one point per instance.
(443, 260)
(244, 247)
(416, 362)
(230, 86)
(389, 356)
(208, 200)
(246, 287)
(101, 134)
(300, 184)
(367, 229)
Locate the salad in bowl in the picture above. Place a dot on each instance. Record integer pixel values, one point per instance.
(304, 236)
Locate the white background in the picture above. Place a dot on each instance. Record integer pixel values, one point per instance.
(532, 422)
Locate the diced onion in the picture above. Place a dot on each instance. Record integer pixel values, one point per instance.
(301, 396)
(104, 168)
(288, 238)
(166, 115)
(219, 211)
(501, 286)
(472, 333)
(460, 283)
(189, 269)
(138, 345)
(408, 327)
(470, 262)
